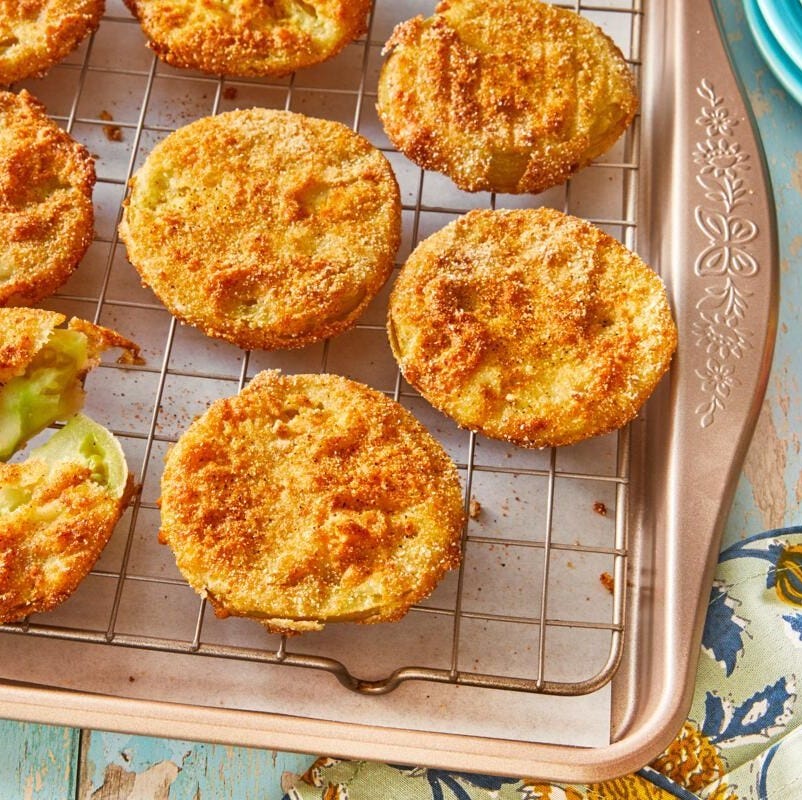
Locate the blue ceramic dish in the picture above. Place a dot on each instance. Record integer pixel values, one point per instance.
(780, 61)
(784, 20)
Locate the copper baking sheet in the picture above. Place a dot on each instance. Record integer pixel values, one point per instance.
(524, 662)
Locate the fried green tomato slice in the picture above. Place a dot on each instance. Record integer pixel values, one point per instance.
(46, 211)
(42, 369)
(531, 326)
(268, 229)
(36, 34)
(57, 511)
(310, 499)
(249, 37)
(504, 95)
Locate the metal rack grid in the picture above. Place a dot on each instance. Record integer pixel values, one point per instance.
(551, 522)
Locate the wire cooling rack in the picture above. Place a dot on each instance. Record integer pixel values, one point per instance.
(538, 603)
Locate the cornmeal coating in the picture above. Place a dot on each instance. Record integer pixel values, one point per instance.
(249, 37)
(265, 228)
(46, 213)
(531, 326)
(504, 95)
(36, 34)
(309, 499)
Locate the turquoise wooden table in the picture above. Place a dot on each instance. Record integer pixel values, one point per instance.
(39, 762)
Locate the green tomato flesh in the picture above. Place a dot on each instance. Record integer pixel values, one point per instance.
(51, 389)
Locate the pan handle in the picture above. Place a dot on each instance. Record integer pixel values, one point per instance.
(709, 229)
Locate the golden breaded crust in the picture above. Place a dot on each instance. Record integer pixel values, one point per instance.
(504, 95)
(309, 499)
(25, 331)
(51, 539)
(265, 228)
(249, 37)
(530, 326)
(35, 34)
(46, 214)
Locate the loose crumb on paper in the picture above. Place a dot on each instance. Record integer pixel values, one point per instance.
(600, 508)
(474, 508)
(607, 580)
(113, 133)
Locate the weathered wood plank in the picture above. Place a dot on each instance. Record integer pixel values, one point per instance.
(770, 489)
(122, 767)
(37, 762)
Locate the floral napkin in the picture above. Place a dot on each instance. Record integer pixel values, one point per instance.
(742, 739)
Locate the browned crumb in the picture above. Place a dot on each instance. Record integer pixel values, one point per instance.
(113, 133)
(600, 508)
(607, 580)
(474, 508)
(230, 93)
